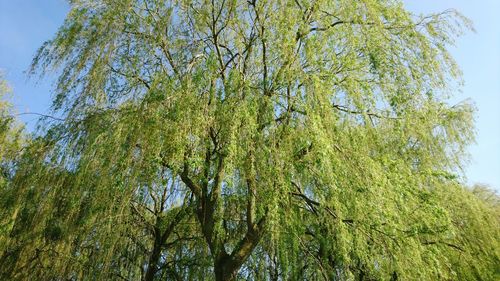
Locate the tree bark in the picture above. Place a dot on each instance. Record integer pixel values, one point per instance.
(154, 258)
(226, 267)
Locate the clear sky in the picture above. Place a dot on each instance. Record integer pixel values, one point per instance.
(26, 24)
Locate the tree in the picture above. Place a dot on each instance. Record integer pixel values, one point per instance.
(474, 214)
(235, 139)
(10, 133)
(11, 141)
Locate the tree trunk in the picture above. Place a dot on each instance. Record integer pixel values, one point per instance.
(154, 258)
(226, 267)
(222, 270)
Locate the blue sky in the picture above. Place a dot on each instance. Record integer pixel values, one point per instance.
(26, 24)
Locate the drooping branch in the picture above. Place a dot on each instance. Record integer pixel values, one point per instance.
(456, 247)
(368, 113)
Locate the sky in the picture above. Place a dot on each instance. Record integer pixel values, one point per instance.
(26, 24)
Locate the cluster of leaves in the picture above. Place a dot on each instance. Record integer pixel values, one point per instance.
(12, 140)
(11, 134)
(261, 140)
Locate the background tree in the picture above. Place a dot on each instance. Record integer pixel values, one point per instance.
(10, 133)
(263, 140)
(11, 141)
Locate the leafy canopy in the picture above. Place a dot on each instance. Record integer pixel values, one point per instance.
(266, 140)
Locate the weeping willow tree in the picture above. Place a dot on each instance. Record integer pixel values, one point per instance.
(260, 140)
(11, 133)
(12, 140)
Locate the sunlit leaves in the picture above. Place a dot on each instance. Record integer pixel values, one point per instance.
(308, 139)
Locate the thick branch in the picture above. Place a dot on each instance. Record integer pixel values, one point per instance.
(196, 189)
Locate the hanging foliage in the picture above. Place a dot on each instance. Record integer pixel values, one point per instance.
(253, 140)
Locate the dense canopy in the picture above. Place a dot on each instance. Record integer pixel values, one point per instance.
(257, 140)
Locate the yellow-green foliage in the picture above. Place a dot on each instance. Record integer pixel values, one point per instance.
(11, 142)
(260, 140)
